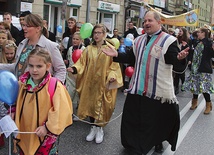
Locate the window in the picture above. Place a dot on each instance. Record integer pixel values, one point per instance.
(74, 13)
(46, 12)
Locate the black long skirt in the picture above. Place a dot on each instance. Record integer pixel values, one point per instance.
(147, 122)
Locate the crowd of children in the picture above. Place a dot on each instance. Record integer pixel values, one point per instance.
(7, 55)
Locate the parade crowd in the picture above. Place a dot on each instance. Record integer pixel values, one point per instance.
(87, 71)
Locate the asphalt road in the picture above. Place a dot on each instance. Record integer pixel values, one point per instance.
(196, 136)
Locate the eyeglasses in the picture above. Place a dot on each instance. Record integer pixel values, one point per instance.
(97, 33)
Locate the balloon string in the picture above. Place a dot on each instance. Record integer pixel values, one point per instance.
(26, 133)
(183, 70)
(19, 132)
(96, 123)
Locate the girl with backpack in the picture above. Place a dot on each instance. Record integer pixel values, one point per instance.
(38, 111)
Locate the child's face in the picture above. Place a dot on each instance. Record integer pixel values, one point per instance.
(3, 37)
(76, 40)
(9, 53)
(98, 35)
(37, 68)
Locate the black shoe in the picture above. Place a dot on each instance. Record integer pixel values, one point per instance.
(159, 148)
(176, 91)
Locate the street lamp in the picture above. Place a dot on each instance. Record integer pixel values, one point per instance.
(63, 13)
(88, 11)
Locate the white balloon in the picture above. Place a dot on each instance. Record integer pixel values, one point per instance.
(139, 30)
(65, 42)
(130, 36)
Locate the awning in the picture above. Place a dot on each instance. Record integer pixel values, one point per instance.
(108, 11)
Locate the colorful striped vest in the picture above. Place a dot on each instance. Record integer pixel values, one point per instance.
(152, 76)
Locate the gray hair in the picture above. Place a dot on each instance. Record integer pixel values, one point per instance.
(156, 15)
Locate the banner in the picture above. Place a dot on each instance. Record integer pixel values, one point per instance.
(186, 19)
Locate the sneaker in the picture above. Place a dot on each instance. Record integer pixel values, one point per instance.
(99, 135)
(92, 133)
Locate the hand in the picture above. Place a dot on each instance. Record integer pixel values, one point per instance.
(70, 69)
(61, 48)
(112, 80)
(12, 115)
(66, 62)
(181, 55)
(110, 51)
(184, 43)
(41, 131)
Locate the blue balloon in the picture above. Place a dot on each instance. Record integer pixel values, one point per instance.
(122, 48)
(127, 41)
(59, 28)
(9, 87)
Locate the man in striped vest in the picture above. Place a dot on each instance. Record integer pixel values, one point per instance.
(151, 111)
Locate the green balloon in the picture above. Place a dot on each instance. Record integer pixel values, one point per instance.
(86, 30)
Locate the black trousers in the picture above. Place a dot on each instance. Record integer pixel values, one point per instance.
(147, 122)
(177, 78)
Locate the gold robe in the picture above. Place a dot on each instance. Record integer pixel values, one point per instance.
(34, 108)
(97, 95)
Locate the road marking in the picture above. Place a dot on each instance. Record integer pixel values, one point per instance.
(187, 126)
(182, 114)
(185, 110)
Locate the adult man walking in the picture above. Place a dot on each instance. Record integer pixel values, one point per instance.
(7, 18)
(151, 112)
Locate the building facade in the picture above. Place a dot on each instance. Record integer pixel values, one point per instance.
(112, 13)
(108, 12)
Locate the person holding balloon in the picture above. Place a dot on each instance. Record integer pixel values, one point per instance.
(98, 78)
(7, 56)
(125, 67)
(151, 112)
(33, 31)
(74, 52)
(36, 111)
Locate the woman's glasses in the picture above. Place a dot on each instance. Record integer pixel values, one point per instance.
(97, 33)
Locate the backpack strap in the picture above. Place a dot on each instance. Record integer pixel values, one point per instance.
(52, 87)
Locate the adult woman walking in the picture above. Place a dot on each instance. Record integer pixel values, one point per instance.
(184, 41)
(33, 31)
(98, 78)
(200, 78)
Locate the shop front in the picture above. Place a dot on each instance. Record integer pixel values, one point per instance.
(107, 14)
(53, 13)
